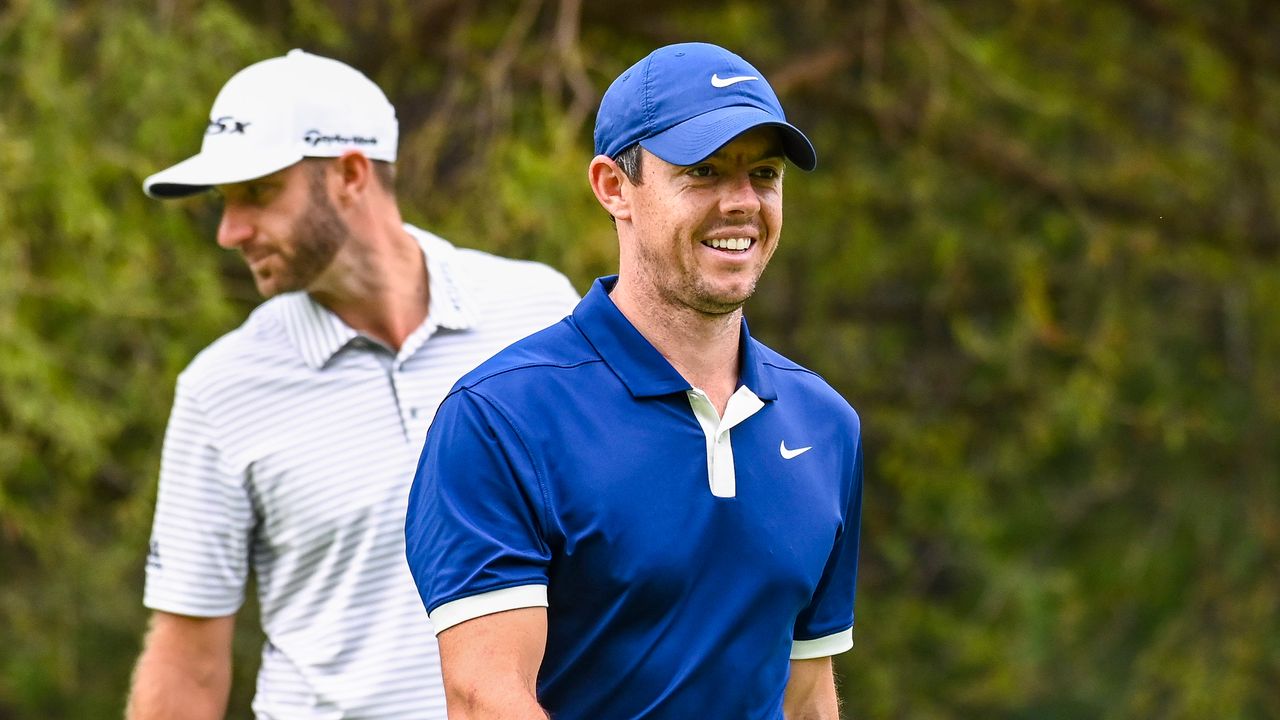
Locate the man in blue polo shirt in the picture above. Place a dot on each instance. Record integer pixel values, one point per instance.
(642, 512)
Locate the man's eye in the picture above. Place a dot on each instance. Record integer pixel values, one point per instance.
(768, 173)
(701, 171)
(255, 193)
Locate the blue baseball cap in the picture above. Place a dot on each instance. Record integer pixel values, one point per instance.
(684, 102)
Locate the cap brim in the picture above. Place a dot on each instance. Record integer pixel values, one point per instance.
(205, 170)
(699, 137)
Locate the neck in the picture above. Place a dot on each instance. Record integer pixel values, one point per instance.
(377, 283)
(702, 347)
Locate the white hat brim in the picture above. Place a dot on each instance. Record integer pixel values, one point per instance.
(207, 169)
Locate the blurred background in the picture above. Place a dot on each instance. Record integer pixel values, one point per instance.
(1040, 255)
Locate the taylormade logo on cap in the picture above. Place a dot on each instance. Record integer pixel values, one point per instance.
(315, 137)
(273, 113)
(684, 102)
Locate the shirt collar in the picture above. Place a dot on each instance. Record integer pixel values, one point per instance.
(318, 334)
(637, 363)
(450, 306)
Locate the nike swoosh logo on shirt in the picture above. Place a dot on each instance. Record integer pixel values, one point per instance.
(788, 454)
(720, 82)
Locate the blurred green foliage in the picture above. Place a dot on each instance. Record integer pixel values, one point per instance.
(1040, 255)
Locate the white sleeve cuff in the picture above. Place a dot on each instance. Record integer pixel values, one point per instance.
(823, 646)
(496, 601)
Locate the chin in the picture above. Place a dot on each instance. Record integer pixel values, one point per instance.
(719, 304)
(279, 284)
(269, 289)
(732, 297)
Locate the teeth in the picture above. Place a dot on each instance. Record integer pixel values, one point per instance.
(730, 243)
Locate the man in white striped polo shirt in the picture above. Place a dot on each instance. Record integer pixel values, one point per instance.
(294, 437)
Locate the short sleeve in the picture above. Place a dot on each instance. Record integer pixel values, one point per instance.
(474, 531)
(825, 627)
(204, 519)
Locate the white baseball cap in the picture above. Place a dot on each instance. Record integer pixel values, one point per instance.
(275, 112)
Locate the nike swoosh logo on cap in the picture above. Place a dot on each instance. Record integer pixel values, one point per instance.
(720, 82)
(788, 454)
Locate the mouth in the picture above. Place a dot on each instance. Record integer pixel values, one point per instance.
(732, 245)
(258, 264)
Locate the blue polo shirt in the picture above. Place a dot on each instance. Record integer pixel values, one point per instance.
(684, 558)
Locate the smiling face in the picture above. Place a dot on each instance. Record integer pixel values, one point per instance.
(285, 226)
(699, 236)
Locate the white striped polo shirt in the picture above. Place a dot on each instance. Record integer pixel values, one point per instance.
(290, 449)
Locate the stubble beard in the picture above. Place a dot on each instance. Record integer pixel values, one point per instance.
(318, 235)
(691, 290)
(701, 296)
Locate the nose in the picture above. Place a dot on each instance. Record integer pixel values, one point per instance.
(740, 196)
(236, 226)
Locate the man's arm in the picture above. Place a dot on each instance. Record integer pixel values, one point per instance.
(184, 670)
(811, 691)
(490, 665)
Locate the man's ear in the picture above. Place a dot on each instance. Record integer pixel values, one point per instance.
(355, 172)
(608, 183)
